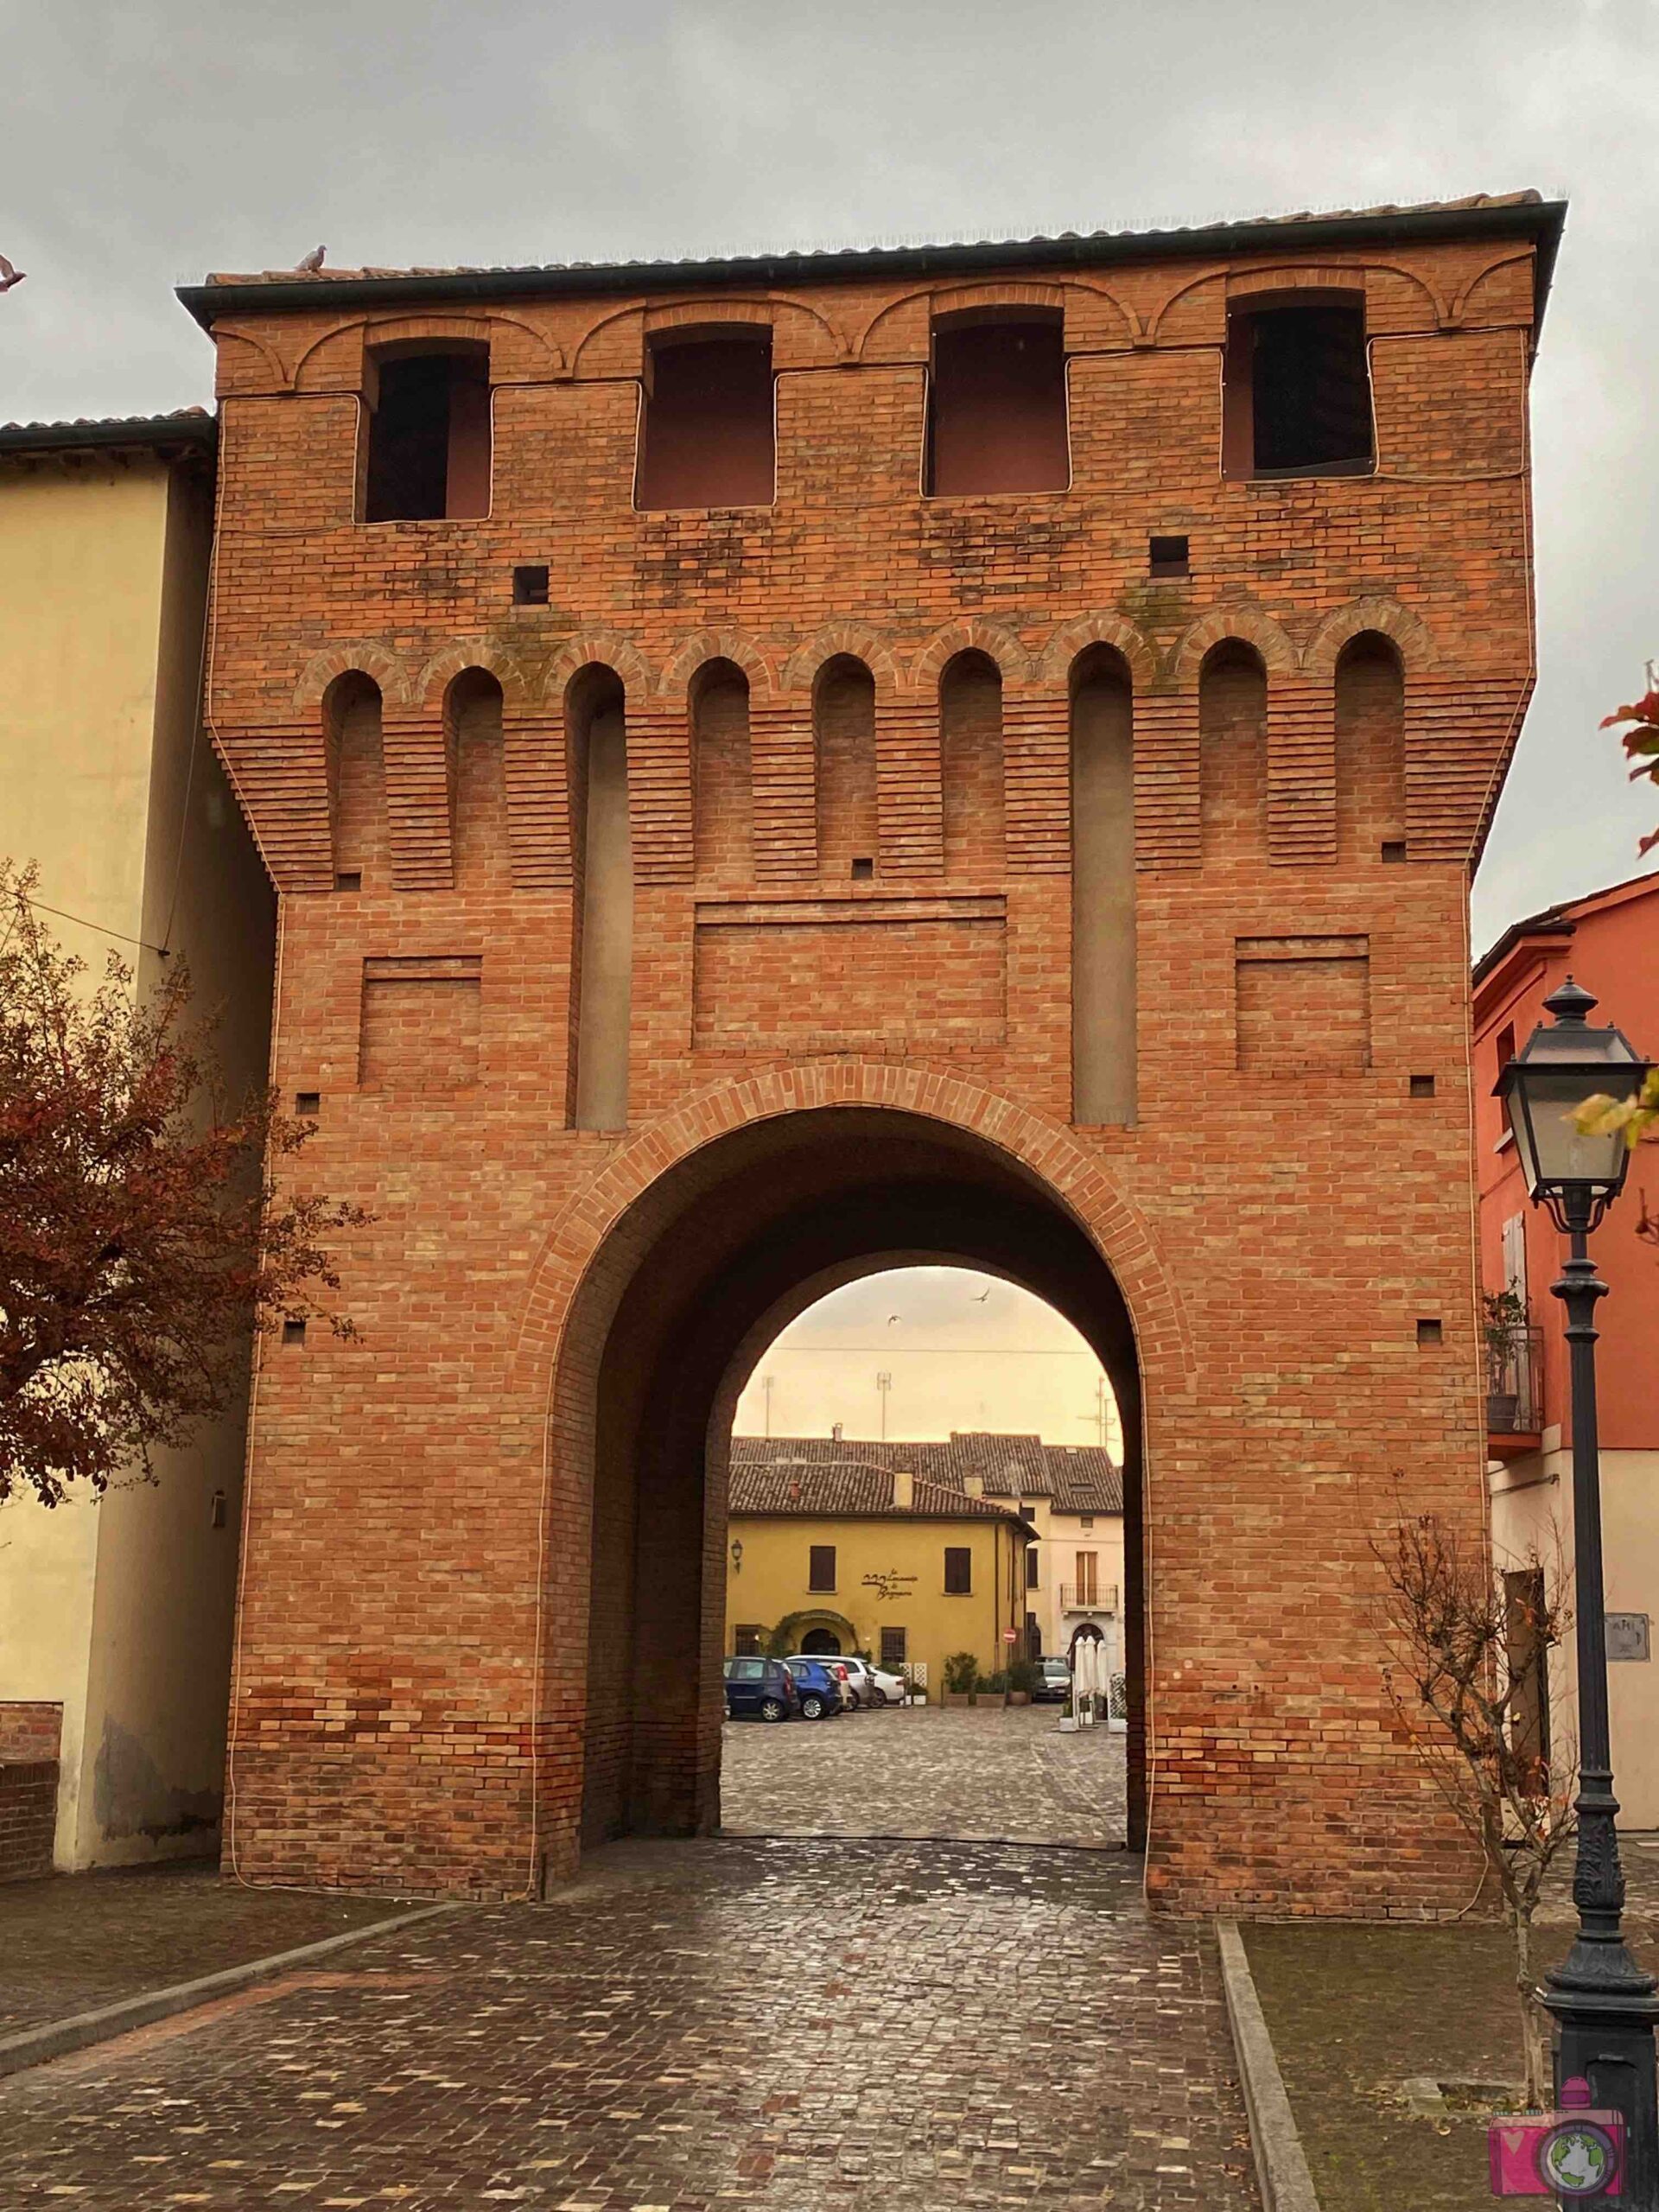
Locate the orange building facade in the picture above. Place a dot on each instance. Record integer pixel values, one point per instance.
(777, 767)
(1609, 943)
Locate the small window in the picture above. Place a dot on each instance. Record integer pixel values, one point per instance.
(1027, 1513)
(1167, 556)
(1422, 1086)
(746, 1641)
(428, 436)
(863, 871)
(530, 584)
(958, 1571)
(997, 418)
(293, 1333)
(1505, 1054)
(349, 879)
(706, 434)
(821, 1567)
(308, 1102)
(1392, 848)
(1085, 1520)
(1030, 1567)
(1298, 400)
(1087, 1591)
(893, 1648)
(1430, 1332)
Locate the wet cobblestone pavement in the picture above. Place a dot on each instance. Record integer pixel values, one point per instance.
(981, 1773)
(790, 2026)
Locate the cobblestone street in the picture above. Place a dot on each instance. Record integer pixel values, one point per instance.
(787, 2026)
(985, 1774)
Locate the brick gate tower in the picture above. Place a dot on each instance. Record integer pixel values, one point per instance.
(774, 766)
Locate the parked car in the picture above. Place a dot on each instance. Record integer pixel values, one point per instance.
(820, 1690)
(763, 1689)
(842, 1672)
(872, 1685)
(1053, 1681)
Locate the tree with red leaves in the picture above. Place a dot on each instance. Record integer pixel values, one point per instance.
(141, 1230)
(1636, 1116)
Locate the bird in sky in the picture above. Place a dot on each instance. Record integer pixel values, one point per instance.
(983, 1295)
(891, 1318)
(8, 275)
(313, 260)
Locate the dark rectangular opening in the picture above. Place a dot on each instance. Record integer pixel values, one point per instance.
(1030, 1567)
(997, 417)
(863, 871)
(530, 584)
(293, 1333)
(1393, 848)
(1298, 396)
(746, 1641)
(349, 879)
(706, 434)
(893, 1646)
(821, 1567)
(1505, 1054)
(308, 1101)
(958, 1571)
(1430, 1332)
(430, 436)
(1167, 556)
(1422, 1086)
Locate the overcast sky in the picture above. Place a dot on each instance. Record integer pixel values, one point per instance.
(146, 144)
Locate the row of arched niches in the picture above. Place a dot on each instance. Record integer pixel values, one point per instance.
(950, 800)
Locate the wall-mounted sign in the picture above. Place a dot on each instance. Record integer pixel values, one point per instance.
(1627, 1636)
(890, 1586)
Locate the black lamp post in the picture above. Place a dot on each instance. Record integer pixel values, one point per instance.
(1605, 2005)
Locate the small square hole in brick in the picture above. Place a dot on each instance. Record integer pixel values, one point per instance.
(1394, 849)
(293, 1333)
(863, 871)
(308, 1101)
(349, 880)
(1167, 556)
(530, 584)
(1422, 1086)
(1430, 1332)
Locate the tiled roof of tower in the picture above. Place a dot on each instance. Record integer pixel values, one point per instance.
(1076, 1478)
(1519, 214)
(838, 1488)
(191, 427)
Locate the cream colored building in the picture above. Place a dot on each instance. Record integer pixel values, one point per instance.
(120, 1612)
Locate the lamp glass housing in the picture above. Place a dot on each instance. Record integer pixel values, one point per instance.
(1563, 1063)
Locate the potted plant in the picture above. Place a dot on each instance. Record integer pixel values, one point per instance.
(993, 1688)
(1022, 1680)
(1069, 1716)
(961, 1673)
(1503, 1317)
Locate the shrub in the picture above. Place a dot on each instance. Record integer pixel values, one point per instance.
(1023, 1675)
(961, 1673)
(997, 1683)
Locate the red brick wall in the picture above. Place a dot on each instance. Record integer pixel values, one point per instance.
(418, 1647)
(28, 1816)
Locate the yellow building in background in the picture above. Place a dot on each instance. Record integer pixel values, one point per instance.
(115, 1617)
(845, 1557)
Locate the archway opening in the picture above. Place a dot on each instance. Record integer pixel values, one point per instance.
(683, 1297)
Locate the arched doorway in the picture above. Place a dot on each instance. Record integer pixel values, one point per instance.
(821, 1643)
(680, 1298)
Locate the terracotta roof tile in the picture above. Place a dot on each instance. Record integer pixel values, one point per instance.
(1076, 1478)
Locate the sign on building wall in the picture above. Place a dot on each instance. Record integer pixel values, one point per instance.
(1627, 1636)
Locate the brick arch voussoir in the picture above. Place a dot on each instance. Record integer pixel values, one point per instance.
(972, 636)
(1063, 648)
(718, 645)
(1045, 1147)
(1246, 625)
(441, 671)
(837, 638)
(385, 667)
(1407, 631)
(607, 649)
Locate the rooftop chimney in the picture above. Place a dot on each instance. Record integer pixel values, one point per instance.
(903, 1490)
(974, 1484)
(835, 1431)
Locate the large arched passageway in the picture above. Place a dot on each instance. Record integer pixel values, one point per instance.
(679, 1300)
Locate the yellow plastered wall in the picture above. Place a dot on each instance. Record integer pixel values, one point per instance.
(889, 1573)
(121, 1612)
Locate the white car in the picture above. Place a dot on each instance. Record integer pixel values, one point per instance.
(869, 1685)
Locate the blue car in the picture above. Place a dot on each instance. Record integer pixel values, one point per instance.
(763, 1689)
(820, 1692)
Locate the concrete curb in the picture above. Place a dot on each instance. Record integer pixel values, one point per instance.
(1280, 2163)
(35, 2046)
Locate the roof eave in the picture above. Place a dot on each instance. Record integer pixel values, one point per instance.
(164, 435)
(1539, 220)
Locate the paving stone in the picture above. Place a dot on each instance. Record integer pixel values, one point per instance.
(782, 2026)
(1001, 1774)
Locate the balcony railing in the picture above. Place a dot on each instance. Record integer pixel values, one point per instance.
(1087, 1597)
(1515, 1376)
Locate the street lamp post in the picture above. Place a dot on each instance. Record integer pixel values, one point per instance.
(1605, 2005)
